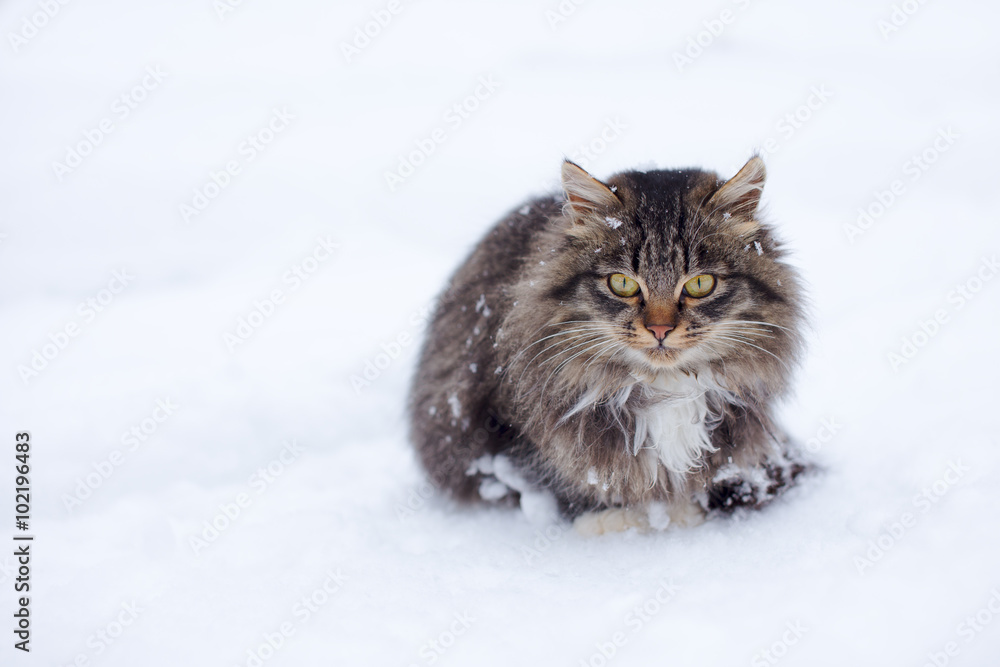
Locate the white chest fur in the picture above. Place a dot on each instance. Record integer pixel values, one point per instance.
(674, 428)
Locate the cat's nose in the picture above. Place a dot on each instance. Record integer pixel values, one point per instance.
(659, 330)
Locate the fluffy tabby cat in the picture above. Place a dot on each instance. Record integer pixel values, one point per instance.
(620, 347)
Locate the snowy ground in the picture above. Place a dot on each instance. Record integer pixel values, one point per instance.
(317, 556)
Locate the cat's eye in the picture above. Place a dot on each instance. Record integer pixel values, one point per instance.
(622, 285)
(700, 286)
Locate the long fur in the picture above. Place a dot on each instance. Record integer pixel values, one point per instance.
(531, 357)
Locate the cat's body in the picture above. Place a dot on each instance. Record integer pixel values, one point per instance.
(621, 348)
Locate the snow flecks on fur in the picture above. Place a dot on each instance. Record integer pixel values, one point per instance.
(659, 517)
(456, 406)
(538, 505)
(481, 306)
(492, 489)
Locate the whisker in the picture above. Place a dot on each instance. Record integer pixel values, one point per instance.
(566, 361)
(588, 336)
(577, 346)
(743, 330)
(744, 342)
(560, 333)
(767, 324)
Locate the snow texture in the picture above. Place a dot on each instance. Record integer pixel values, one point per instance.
(285, 454)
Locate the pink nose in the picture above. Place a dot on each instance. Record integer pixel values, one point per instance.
(660, 331)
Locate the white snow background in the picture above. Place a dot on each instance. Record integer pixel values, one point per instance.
(330, 514)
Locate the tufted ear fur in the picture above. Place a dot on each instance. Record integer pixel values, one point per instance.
(739, 197)
(741, 193)
(588, 200)
(584, 193)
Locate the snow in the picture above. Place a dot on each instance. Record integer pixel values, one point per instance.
(456, 405)
(881, 184)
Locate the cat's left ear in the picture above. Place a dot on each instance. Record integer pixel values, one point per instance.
(584, 193)
(740, 195)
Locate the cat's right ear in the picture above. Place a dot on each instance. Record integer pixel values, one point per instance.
(741, 193)
(584, 193)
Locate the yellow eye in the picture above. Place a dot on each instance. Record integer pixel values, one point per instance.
(700, 286)
(622, 285)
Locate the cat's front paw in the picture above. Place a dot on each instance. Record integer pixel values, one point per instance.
(657, 516)
(687, 514)
(733, 488)
(611, 520)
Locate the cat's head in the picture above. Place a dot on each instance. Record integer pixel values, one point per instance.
(674, 270)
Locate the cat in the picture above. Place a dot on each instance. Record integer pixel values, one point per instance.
(619, 347)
